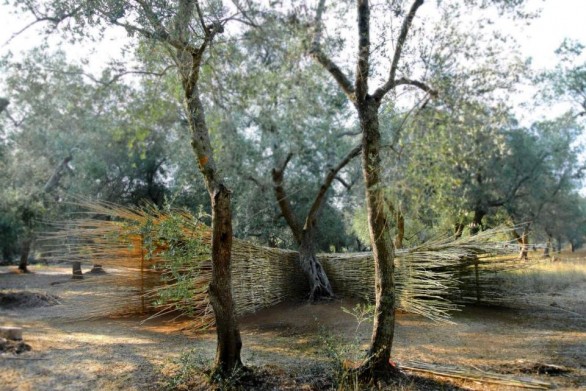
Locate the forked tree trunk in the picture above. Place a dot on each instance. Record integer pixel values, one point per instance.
(319, 284)
(377, 363)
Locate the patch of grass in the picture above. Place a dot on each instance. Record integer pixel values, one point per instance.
(188, 372)
(547, 277)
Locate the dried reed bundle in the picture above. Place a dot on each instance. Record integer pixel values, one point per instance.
(136, 242)
(476, 375)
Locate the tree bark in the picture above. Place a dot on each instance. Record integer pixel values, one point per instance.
(220, 289)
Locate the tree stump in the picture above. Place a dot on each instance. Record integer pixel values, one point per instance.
(97, 269)
(77, 274)
(12, 333)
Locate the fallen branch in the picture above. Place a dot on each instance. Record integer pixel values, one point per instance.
(479, 375)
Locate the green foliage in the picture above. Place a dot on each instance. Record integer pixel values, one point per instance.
(187, 371)
(181, 244)
(192, 371)
(362, 312)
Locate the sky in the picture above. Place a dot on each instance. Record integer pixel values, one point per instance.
(559, 19)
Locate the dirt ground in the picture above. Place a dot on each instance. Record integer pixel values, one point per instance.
(296, 340)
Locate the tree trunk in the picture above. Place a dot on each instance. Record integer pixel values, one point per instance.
(547, 247)
(319, 284)
(379, 353)
(458, 230)
(320, 287)
(76, 273)
(220, 289)
(229, 344)
(523, 255)
(25, 249)
(476, 225)
(400, 229)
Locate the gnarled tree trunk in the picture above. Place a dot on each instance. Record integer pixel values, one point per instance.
(319, 284)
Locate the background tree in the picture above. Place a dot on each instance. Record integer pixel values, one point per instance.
(291, 126)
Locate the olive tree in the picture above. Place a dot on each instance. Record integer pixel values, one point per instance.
(186, 30)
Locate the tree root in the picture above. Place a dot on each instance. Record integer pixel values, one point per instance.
(373, 372)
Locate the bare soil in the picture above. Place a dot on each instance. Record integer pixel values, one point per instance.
(293, 343)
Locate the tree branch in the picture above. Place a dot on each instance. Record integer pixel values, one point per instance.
(56, 19)
(283, 201)
(350, 133)
(315, 207)
(116, 77)
(362, 65)
(422, 86)
(390, 84)
(53, 182)
(347, 185)
(317, 53)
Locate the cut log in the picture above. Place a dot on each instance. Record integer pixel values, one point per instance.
(12, 333)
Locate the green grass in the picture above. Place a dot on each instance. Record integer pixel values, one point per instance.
(547, 277)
